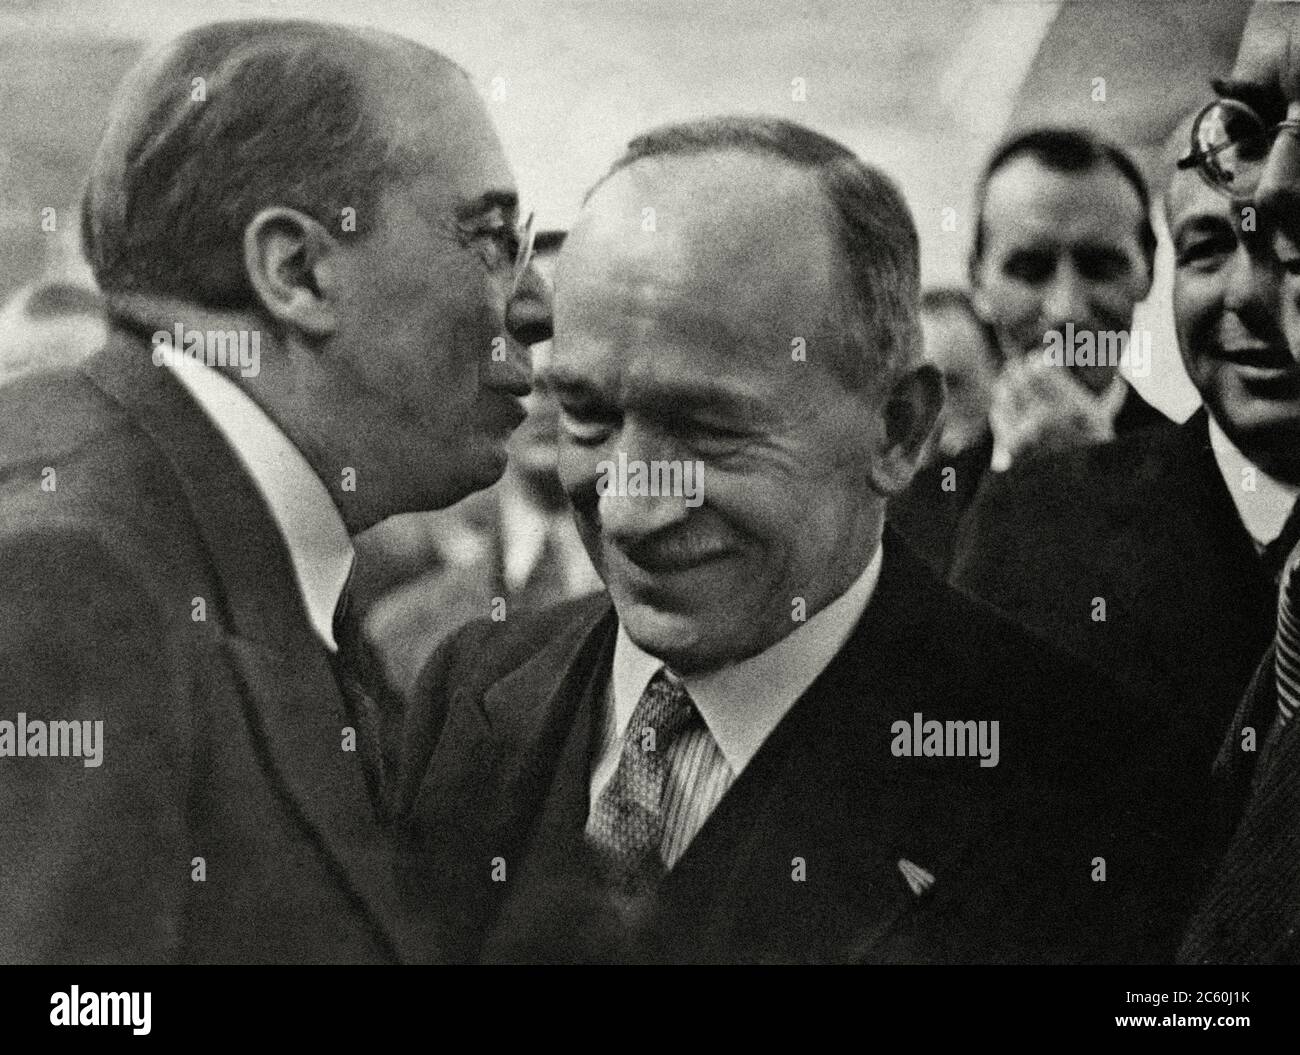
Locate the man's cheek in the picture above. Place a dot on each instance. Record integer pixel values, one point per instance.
(1291, 314)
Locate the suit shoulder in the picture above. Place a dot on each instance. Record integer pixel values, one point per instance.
(68, 452)
(1002, 660)
(484, 651)
(1080, 474)
(50, 414)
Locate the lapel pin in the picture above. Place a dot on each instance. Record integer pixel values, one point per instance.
(917, 877)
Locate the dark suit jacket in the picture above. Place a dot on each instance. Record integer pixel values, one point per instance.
(1254, 790)
(929, 513)
(1147, 524)
(222, 734)
(411, 596)
(499, 756)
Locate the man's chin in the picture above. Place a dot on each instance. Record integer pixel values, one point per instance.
(676, 638)
(1269, 435)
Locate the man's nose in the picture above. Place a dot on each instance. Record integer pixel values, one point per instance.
(527, 322)
(528, 312)
(627, 519)
(1251, 282)
(1067, 298)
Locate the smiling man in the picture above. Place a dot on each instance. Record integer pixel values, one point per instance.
(1157, 556)
(1063, 252)
(1245, 146)
(176, 527)
(705, 760)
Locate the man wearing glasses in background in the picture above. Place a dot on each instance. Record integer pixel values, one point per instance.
(1156, 557)
(1246, 144)
(176, 527)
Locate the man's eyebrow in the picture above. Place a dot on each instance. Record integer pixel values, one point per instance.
(505, 200)
(678, 395)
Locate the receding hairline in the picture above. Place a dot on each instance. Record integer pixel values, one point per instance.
(1101, 167)
(806, 195)
(381, 61)
(704, 155)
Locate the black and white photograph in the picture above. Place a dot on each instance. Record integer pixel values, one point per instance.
(651, 482)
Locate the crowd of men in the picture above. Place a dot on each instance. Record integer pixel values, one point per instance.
(961, 651)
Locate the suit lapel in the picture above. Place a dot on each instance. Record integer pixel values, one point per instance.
(531, 713)
(811, 795)
(292, 702)
(1175, 514)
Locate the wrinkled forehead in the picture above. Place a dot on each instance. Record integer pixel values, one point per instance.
(742, 240)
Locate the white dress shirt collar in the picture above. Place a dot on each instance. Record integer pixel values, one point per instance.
(1264, 507)
(743, 703)
(320, 549)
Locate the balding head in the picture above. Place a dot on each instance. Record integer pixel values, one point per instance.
(737, 301)
(874, 241)
(235, 117)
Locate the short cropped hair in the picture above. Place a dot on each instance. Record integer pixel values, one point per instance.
(226, 120)
(1068, 150)
(874, 227)
(956, 301)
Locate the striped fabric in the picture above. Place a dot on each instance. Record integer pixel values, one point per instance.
(1288, 644)
(694, 774)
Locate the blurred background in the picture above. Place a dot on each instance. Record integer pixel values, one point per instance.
(923, 89)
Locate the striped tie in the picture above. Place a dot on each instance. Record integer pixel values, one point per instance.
(1288, 642)
(627, 821)
(1251, 911)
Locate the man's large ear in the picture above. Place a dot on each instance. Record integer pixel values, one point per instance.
(285, 254)
(910, 411)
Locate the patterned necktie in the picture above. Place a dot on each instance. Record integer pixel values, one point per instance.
(627, 821)
(1251, 913)
(1288, 642)
(354, 669)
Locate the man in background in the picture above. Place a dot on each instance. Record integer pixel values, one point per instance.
(1063, 252)
(1245, 146)
(1156, 557)
(967, 354)
(56, 320)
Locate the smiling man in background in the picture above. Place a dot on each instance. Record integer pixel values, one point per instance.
(1157, 557)
(1246, 146)
(1064, 251)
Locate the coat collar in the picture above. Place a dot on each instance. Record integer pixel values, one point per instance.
(875, 821)
(260, 597)
(291, 699)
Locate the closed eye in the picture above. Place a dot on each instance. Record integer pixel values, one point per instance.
(1202, 252)
(586, 426)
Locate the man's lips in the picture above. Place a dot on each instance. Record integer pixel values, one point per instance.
(658, 559)
(1268, 357)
